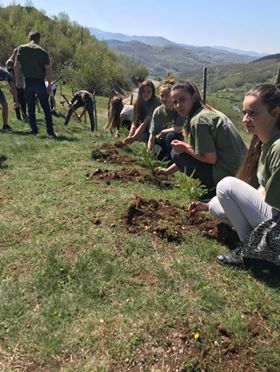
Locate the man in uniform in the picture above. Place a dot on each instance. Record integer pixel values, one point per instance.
(34, 64)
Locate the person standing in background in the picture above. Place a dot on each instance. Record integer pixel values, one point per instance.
(34, 63)
(21, 109)
(6, 76)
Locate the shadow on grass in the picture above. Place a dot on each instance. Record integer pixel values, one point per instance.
(61, 138)
(3, 158)
(270, 276)
(57, 138)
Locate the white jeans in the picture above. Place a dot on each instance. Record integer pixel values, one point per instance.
(239, 205)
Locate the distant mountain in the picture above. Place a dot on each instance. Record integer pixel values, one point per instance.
(161, 41)
(275, 57)
(160, 59)
(150, 40)
(161, 55)
(242, 52)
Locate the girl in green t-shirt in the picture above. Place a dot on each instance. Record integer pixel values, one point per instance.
(215, 149)
(238, 202)
(144, 107)
(166, 124)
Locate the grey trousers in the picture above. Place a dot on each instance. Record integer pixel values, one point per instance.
(239, 205)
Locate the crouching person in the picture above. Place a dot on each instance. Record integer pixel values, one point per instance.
(215, 149)
(166, 124)
(240, 204)
(81, 98)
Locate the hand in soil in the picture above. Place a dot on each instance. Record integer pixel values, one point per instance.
(128, 140)
(196, 207)
(163, 171)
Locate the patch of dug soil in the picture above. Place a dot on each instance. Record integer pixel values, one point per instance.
(169, 221)
(123, 174)
(157, 216)
(111, 155)
(126, 174)
(113, 146)
(214, 229)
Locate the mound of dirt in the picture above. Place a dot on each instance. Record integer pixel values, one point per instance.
(123, 174)
(111, 156)
(169, 221)
(129, 174)
(156, 216)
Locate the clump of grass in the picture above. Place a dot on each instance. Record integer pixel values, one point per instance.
(189, 187)
(148, 160)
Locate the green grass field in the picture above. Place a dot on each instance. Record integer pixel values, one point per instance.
(77, 295)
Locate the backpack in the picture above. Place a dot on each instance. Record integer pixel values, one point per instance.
(262, 247)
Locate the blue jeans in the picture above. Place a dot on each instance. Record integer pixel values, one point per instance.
(37, 87)
(88, 106)
(191, 166)
(162, 148)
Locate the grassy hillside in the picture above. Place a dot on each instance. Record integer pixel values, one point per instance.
(80, 58)
(240, 77)
(81, 290)
(175, 58)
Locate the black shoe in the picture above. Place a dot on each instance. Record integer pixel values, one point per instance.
(6, 127)
(232, 258)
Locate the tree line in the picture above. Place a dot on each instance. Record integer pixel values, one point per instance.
(79, 57)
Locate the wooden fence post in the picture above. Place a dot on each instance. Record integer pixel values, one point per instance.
(278, 78)
(204, 84)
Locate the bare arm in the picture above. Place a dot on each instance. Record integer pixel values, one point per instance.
(141, 128)
(13, 90)
(17, 74)
(180, 146)
(168, 171)
(151, 142)
(135, 132)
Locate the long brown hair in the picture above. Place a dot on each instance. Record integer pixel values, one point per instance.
(139, 114)
(269, 95)
(114, 119)
(189, 87)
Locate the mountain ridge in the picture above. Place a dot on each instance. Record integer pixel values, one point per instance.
(162, 41)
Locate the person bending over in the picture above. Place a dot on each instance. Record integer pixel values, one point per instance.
(81, 98)
(120, 115)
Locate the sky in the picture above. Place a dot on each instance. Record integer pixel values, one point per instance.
(249, 25)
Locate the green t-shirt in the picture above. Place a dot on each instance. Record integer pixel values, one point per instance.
(212, 131)
(33, 59)
(269, 170)
(147, 109)
(163, 119)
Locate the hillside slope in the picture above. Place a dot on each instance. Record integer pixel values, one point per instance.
(160, 59)
(238, 76)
